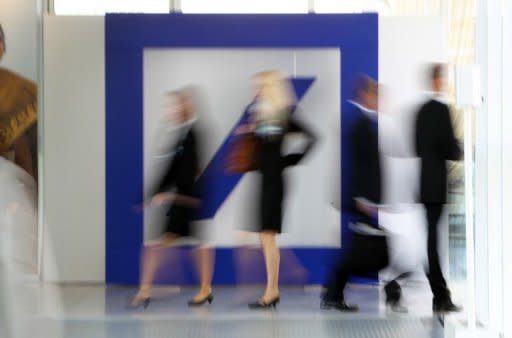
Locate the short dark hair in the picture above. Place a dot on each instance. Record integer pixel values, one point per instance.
(436, 71)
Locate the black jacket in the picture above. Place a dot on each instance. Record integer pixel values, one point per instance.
(183, 167)
(366, 167)
(435, 144)
(297, 126)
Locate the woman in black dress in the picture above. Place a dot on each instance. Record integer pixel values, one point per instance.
(270, 122)
(178, 187)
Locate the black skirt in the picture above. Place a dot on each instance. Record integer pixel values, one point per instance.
(179, 221)
(272, 185)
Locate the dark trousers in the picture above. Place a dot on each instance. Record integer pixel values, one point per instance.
(336, 281)
(367, 254)
(434, 272)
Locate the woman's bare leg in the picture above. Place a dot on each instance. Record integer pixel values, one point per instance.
(271, 254)
(205, 264)
(152, 257)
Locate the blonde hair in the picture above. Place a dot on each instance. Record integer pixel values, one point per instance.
(275, 89)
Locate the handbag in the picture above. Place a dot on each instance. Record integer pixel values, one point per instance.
(244, 154)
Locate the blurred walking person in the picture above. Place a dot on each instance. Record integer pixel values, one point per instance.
(435, 144)
(270, 122)
(368, 250)
(178, 187)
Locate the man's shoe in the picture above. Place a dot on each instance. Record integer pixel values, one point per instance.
(339, 305)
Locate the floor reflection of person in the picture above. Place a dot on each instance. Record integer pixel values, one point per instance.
(177, 187)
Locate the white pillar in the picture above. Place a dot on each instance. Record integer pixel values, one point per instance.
(481, 173)
(43, 7)
(507, 167)
(495, 150)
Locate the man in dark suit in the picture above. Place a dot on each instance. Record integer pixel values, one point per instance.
(368, 252)
(435, 144)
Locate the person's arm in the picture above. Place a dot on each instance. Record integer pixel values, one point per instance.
(300, 127)
(164, 194)
(296, 126)
(244, 129)
(162, 184)
(161, 193)
(170, 197)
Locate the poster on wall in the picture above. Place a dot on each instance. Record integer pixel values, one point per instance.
(222, 78)
(219, 54)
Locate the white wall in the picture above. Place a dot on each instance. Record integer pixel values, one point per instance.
(507, 159)
(74, 130)
(19, 21)
(493, 271)
(74, 149)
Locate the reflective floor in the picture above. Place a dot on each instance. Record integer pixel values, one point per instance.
(100, 312)
(243, 327)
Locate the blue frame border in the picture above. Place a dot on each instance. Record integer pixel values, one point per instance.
(356, 35)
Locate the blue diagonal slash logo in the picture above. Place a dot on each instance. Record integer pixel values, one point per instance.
(214, 180)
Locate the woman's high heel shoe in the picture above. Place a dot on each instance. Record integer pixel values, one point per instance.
(208, 299)
(261, 305)
(138, 300)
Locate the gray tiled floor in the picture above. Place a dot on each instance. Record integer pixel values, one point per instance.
(101, 312)
(236, 328)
